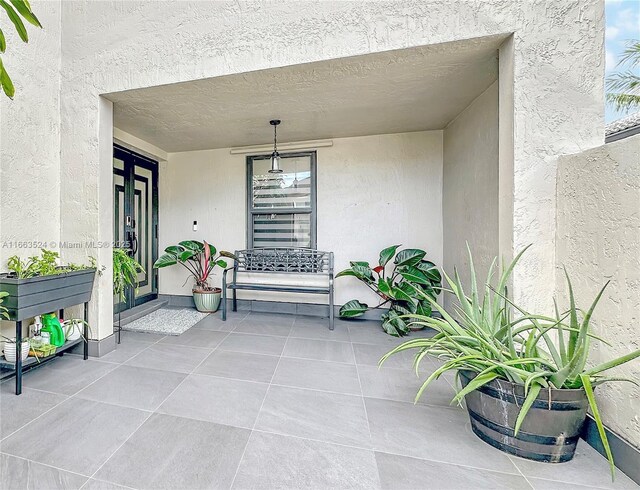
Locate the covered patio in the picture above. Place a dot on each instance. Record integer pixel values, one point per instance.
(388, 148)
(260, 401)
(436, 128)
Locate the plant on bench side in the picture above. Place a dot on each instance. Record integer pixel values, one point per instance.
(199, 259)
(403, 289)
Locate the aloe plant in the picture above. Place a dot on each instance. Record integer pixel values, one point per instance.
(482, 336)
(199, 258)
(403, 288)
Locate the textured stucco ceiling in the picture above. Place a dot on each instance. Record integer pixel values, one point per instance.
(390, 92)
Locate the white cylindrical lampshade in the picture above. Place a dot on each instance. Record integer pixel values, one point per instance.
(275, 163)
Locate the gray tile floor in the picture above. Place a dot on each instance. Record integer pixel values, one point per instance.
(260, 401)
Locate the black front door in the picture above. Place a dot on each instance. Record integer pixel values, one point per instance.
(135, 180)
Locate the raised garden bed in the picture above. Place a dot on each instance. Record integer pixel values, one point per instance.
(39, 295)
(42, 294)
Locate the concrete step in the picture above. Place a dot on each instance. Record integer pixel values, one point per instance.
(139, 311)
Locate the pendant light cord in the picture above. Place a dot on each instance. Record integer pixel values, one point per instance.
(275, 138)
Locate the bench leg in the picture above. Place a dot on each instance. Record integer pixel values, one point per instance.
(331, 312)
(235, 301)
(224, 302)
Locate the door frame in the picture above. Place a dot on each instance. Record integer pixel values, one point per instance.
(130, 160)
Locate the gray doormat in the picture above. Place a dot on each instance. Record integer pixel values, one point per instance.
(167, 321)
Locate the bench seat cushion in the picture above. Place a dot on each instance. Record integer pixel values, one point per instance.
(280, 287)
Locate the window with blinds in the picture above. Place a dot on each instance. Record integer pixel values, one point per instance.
(282, 206)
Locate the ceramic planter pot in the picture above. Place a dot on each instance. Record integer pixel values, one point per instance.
(72, 331)
(10, 351)
(549, 432)
(207, 301)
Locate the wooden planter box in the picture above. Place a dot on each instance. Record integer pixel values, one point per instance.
(39, 295)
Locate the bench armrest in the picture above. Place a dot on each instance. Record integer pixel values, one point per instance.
(224, 276)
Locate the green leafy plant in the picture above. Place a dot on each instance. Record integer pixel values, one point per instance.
(405, 288)
(93, 264)
(16, 10)
(624, 86)
(125, 272)
(44, 265)
(3, 311)
(199, 258)
(21, 269)
(482, 337)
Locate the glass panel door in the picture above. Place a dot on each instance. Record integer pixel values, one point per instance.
(136, 220)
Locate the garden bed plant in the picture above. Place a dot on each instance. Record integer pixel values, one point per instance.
(404, 288)
(525, 378)
(44, 265)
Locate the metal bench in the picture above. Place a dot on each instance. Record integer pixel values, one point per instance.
(298, 261)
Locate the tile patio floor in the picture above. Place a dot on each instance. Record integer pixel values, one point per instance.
(260, 401)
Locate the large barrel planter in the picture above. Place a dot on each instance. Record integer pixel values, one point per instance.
(207, 301)
(549, 432)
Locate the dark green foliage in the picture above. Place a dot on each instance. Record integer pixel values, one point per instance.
(404, 289)
(125, 272)
(199, 258)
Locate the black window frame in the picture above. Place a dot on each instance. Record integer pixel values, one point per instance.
(313, 210)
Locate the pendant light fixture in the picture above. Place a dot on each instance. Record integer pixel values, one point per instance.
(275, 156)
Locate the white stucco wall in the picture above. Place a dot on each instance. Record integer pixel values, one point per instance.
(30, 138)
(599, 240)
(373, 192)
(30, 142)
(557, 61)
(470, 187)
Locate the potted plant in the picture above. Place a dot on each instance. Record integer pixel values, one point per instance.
(525, 380)
(39, 284)
(10, 351)
(404, 288)
(125, 276)
(73, 329)
(199, 258)
(125, 272)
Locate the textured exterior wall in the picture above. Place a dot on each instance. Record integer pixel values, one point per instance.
(599, 240)
(373, 192)
(30, 141)
(116, 45)
(470, 191)
(30, 137)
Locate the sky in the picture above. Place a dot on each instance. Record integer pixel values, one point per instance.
(623, 24)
